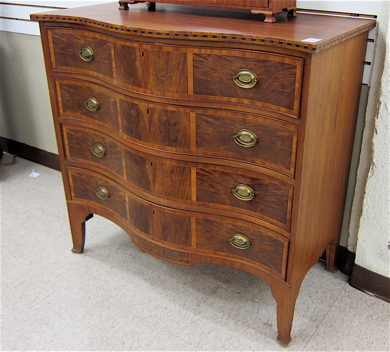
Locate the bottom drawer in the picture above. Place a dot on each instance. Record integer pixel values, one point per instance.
(149, 220)
(90, 186)
(253, 243)
(172, 229)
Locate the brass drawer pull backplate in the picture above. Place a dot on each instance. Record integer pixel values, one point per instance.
(243, 192)
(240, 241)
(245, 138)
(102, 192)
(92, 104)
(86, 53)
(245, 79)
(99, 150)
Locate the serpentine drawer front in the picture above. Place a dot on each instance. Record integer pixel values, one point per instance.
(262, 79)
(220, 140)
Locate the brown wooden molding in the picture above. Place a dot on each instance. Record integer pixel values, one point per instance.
(371, 283)
(345, 260)
(30, 153)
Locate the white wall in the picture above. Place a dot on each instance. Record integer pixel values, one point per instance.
(25, 112)
(362, 7)
(15, 14)
(370, 221)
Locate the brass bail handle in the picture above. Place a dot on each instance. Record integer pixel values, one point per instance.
(86, 53)
(102, 192)
(245, 138)
(245, 79)
(243, 192)
(240, 241)
(92, 104)
(99, 150)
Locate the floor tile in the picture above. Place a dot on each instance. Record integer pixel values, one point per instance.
(355, 322)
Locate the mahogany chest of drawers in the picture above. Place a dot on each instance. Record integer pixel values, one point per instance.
(208, 139)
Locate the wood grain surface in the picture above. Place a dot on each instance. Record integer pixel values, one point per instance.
(279, 78)
(186, 23)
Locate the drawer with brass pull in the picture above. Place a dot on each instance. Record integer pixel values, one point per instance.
(245, 242)
(90, 186)
(248, 138)
(266, 80)
(87, 101)
(83, 144)
(137, 66)
(262, 196)
(78, 50)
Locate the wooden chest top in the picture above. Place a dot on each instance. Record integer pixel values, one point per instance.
(307, 33)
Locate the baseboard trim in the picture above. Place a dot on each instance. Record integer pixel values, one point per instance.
(28, 152)
(345, 260)
(371, 283)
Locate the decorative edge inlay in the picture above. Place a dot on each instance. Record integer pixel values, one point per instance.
(310, 48)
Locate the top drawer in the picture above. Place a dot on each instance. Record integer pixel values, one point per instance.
(76, 50)
(145, 68)
(266, 80)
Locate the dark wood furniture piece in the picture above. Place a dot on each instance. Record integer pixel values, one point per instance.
(208, 139)
(267, 7)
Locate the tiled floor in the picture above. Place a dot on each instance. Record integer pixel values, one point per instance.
(114, 297)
